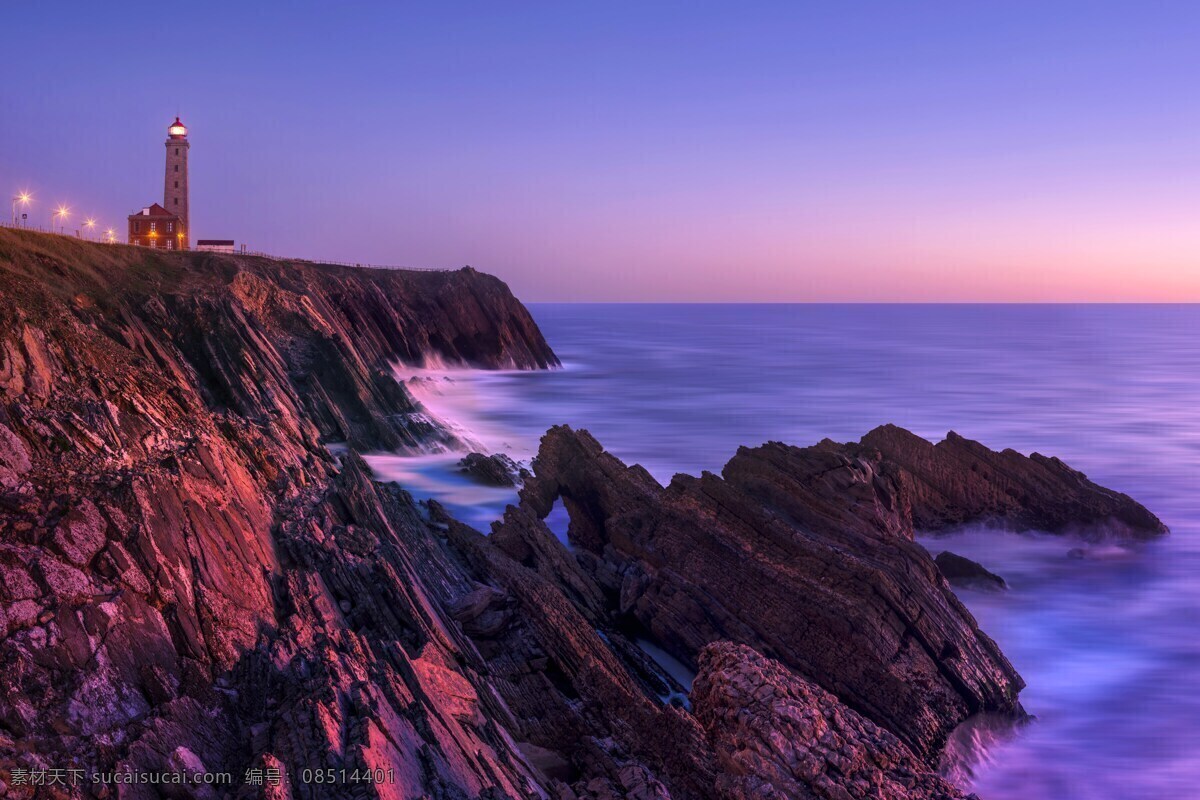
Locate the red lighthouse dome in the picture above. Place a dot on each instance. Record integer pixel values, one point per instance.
(177, 130)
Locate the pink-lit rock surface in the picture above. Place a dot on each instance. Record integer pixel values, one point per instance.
(191, 578)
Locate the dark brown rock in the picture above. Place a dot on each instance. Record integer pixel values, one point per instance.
(957, 481)
(777, 735)
(804, 554)
(496, 469)
(965, 572)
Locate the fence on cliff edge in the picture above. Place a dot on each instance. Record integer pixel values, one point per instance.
(77, 234)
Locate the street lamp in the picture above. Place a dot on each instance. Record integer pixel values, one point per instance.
(61, 214)
(90, 224)
(111, 235)
(22, 199)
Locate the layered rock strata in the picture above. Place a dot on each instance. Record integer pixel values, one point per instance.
(188, 575)
(776, 735)
(193, 578)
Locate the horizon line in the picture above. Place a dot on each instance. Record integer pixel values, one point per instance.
(865, 302)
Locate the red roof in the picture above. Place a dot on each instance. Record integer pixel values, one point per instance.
(155, 210)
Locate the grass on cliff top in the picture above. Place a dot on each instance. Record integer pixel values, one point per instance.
(68, 266)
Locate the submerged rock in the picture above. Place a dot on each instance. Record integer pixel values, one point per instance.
(965, 572)
(496, 469)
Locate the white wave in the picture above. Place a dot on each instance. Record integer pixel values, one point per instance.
(437, 476)
(456, 398)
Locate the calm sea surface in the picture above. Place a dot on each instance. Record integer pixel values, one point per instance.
(1108, 643)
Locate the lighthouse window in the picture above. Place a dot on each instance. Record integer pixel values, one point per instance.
(176, 201)
(176, 151)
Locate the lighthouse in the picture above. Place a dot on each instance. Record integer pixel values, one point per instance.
(166, 227)
(175, 192)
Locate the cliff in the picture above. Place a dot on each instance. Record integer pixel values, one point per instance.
(191, 580)
(187, 575)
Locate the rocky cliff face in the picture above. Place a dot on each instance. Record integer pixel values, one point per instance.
(187, 576)
(190, 580)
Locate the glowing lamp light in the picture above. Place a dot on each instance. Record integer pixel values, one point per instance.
(89, 223)
(178, 130)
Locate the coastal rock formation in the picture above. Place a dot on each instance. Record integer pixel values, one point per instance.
(496, 469)
(188, 576)
(775, 734)
(194, 578)
(965, 572)
(957, 481)
(804, 554)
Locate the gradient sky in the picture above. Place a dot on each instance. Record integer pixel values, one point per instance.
(780, 151)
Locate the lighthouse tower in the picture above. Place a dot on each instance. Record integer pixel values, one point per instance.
(175, 194)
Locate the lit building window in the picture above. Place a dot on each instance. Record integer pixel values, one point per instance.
(153, 227)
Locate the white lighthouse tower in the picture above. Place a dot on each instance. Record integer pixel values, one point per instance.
(175, 193)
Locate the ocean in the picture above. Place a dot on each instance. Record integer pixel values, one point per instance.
(1107, 643)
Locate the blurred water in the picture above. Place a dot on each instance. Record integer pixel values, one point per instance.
(1107, 643)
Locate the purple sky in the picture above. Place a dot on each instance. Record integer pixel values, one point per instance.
(643, 151)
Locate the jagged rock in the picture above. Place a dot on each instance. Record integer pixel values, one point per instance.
(965, 572)
(189, 576)
(777, 735)
(957, 481)
(806, 554)
(569, 685)
(496, 469)
(14, 458)
(802, 553)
